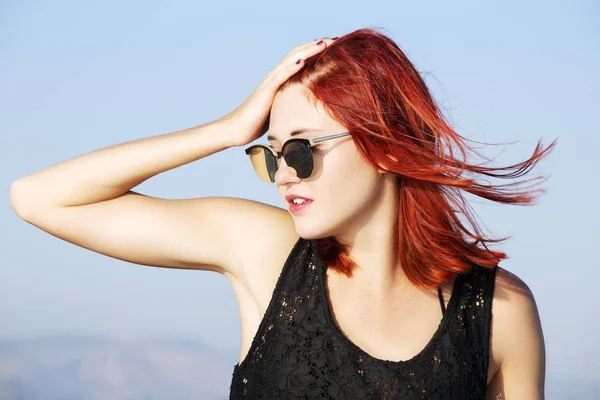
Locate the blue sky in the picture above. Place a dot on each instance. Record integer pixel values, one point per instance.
(76, 77)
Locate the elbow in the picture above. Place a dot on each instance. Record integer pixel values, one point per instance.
(21, 199)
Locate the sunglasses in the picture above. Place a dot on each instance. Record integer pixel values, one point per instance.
(297, 153)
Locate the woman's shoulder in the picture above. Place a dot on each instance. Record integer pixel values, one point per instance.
(507, 288)
(512, 297)
(516, 330)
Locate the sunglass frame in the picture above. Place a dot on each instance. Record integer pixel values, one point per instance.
(309, 143)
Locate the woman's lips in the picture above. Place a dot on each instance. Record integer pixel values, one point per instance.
(290, 197)
(294, 208)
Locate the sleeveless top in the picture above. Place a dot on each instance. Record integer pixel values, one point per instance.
(299, 352)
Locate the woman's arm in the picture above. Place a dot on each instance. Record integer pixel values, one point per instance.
(88, 200)
(517, 342)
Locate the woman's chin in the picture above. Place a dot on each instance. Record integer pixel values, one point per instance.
(310, 231)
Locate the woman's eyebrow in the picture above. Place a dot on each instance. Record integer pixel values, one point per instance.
(296, 132)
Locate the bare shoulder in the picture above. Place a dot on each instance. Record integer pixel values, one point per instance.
(517, 343)
(265, 248)
(513, 299)
(262, 252)
(262, 238)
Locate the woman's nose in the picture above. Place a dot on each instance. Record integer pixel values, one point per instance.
(285, 173)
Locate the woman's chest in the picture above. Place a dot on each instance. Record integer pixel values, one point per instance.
(395, 331)
(301, 353)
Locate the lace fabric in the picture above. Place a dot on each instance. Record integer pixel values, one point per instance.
(299, 352)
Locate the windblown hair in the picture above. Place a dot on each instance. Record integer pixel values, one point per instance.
(368, 85)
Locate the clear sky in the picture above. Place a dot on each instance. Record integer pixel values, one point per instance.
(79, 76)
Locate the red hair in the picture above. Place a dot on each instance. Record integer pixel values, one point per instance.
(368, 85)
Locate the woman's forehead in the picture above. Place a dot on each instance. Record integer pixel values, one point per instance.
(294, 115)
(291, 113)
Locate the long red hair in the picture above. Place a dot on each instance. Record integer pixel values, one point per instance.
(369, 85)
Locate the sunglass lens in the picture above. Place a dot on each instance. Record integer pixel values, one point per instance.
(299, 156)
(264, 164)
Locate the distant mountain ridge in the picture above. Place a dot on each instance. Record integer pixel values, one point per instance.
(81, 367)
(103, 367)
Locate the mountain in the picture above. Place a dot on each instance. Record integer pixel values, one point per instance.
(64, 367)
(94, 368)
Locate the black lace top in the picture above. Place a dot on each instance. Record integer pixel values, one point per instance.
(299, 352)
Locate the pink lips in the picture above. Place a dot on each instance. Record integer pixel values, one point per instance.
(290, 197)
(294, 208)
(297, 207)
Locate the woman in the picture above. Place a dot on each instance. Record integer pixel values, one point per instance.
(369, 285)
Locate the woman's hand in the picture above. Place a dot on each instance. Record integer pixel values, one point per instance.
(250, 120)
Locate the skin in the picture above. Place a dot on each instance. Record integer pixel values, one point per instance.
(357, 204)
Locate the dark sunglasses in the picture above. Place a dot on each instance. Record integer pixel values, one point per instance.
(297, 154)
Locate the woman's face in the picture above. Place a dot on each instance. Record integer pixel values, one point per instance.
(345, 189)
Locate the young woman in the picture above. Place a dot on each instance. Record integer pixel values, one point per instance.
(375, 282)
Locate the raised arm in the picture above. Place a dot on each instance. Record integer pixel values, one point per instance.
(88, 200)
